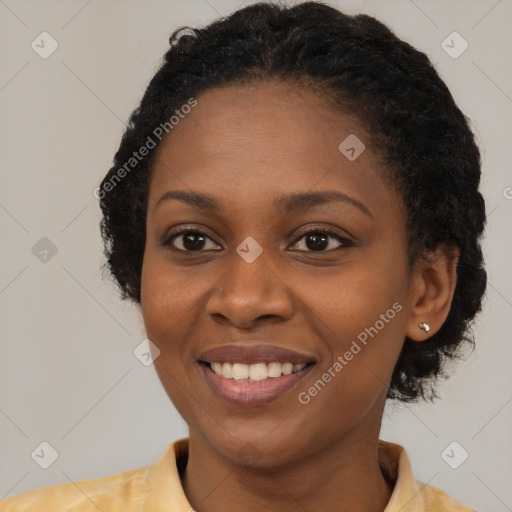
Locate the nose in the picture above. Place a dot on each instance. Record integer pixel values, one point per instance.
(250, 293)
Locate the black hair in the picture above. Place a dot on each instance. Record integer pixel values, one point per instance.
(423, 138)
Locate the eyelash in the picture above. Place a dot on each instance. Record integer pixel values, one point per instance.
(345, 242)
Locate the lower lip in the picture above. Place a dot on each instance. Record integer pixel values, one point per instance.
(252, 393)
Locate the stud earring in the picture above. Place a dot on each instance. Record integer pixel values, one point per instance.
(424, 326)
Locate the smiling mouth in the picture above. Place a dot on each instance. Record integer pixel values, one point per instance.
(255, 384)
(257, 372)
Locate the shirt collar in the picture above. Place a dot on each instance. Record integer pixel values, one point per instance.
(406, 495)
(164, 492)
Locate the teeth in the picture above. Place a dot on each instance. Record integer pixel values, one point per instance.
(240, 371)
(286, 368)
(258, 371)
(274, 369)
(226, 371)
(254, 372)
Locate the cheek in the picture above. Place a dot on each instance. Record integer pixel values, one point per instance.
(351, 383)
(164, 309)
(362, 318)
(167, 309)
(358, 297)
(167, 297)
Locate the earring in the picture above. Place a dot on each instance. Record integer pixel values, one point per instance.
(424, 326)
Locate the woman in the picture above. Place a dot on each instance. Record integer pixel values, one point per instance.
(295, 207)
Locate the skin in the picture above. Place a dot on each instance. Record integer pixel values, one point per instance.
(246, 145)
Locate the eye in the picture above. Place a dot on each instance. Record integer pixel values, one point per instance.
(188, 240)
(196, 240)
(319, 240)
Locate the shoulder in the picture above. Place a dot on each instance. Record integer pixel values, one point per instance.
(116, 492)
(156, 487)
(436, 499)
(409, 494)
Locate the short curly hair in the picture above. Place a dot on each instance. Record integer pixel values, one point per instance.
(425, 141)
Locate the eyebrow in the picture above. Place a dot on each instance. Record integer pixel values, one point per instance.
(287, 203)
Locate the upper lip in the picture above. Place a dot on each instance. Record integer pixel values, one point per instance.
(252, 354)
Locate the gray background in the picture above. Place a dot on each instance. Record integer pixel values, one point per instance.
(68, 375)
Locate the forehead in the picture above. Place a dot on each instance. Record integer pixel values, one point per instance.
(255, 139)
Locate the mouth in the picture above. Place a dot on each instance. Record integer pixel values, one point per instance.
(257, 372)
(253, 375)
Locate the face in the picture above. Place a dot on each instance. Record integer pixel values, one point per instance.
(296, 256)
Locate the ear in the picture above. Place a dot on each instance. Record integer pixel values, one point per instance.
(431, 292)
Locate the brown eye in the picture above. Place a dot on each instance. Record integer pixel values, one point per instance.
(189, 240)
(320, 240)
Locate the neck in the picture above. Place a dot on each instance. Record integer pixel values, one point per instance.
(344, 477)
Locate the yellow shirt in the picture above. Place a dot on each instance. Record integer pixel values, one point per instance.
(157, 488)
